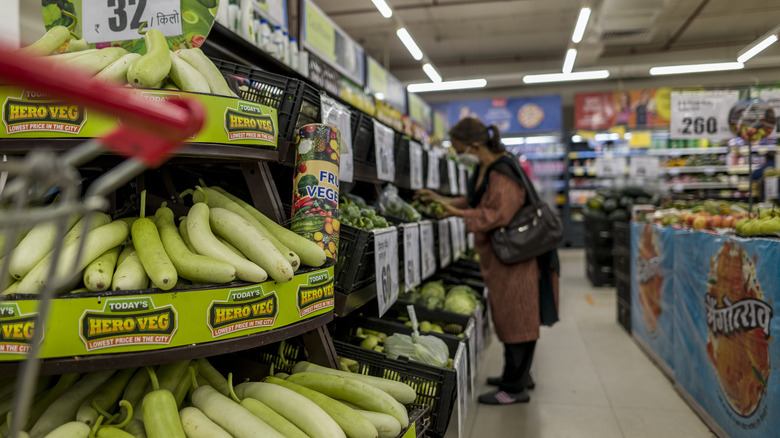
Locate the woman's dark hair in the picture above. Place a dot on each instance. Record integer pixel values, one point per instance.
(471, 130)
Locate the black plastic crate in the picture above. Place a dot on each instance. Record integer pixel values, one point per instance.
(363, 138)
(436, 387)
(355, 267)
(624, 314)
(598, 233)
(296, 102)
(622, 261)
(621, 234)
(452, 323)
(600, 270)
(600, 279)
(402, 160)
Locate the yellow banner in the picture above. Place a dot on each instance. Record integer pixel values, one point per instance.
(320, 34)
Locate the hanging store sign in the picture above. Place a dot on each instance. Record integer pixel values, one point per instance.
(631, 109)
(514, 115)
(702, 114)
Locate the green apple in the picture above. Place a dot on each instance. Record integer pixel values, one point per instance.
(771, 226)
(741, 225)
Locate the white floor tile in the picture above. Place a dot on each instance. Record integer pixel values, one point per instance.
(592, 379)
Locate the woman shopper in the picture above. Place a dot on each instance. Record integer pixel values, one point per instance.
(494, 196)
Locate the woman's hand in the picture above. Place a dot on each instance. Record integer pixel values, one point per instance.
(449, 210)
(426, 196)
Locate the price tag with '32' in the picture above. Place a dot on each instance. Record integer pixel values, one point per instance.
(119, 20)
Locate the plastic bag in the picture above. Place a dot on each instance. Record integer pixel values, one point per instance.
(426, 349)
(391, 204)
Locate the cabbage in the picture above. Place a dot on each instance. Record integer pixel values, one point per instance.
(434, 288)
(426, 349)
(460, 303)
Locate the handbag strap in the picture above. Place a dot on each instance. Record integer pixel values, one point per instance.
(522, 178)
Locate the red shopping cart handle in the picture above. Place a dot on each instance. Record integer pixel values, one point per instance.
(160, 125)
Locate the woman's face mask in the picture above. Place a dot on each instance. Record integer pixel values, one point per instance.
(468, 159)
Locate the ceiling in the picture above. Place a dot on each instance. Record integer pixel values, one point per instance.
(502, 40)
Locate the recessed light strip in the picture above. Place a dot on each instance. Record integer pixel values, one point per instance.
(449, 85)
(696, 68)
(568, 62)
(758, 48)
(411, 46)
(582, 23)
(383, 8)
(565, 77)
(431, 72)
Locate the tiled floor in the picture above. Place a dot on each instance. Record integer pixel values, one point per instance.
(592, 379)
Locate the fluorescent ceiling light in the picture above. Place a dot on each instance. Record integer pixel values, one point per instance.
(512, 141)
(696, 68)
(582, 23)
(411, 46)
(379, 96)
(568, 63)
(758, 48)
(384, 9)
(431, 72)
(563, 77)
(542, 139)
(449, 85)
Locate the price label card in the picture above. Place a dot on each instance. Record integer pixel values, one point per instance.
(613, 167)
(452, 174)
(119, 20)
(427, 249)
(454, 230)
(445, 250)
(416, 165)
(461, 368)
(644, 167)
(702, 114)
(338, 115)
(470, 239)
(385, 156)
(433, 181)
(386, 261)
(771, 188)
(463, 178)
(461, 235)
(412, 255)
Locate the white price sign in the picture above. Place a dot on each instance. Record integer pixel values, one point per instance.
(770, 188)
(702, 114)
(412, 255)
(416, 165)
(452, 174)
(470, 239)
(611, 167)
(338, 115)
(385, 156)
(461, 235)
(457, 229)
(445, 250)
(644, 167)
(386, 262)
(461, 368)
(427, 250)
(119, 20)
(463, 178)
(434, 180)
(772, 98)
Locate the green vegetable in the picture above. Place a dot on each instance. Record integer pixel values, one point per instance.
(426, 349)
(154, 65)
(160, 413)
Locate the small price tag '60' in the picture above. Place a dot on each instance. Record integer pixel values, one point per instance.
(386, 262)
(427, 250)
(119, 20)
(445, 250)
(412, 255)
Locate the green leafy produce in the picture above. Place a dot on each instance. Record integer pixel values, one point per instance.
(462, 299)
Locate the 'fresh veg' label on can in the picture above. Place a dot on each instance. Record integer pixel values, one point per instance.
(244, 309)
(317, 295)
(127, 322)
(16, 329)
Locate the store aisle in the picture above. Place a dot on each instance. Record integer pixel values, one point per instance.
(592, 379)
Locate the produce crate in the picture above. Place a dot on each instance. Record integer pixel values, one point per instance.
(436, 387)
(296, 102)
(624, 314)
(355, 265)
(621, 235)
(600, 267)
(363, 138)
(622, 261)
(452, 323)
(598, 233)
(402, 160)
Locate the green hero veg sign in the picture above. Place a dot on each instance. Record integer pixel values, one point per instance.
(16, 330)
(245, 308)
(248, 122)
(128, 322)
(317, 295)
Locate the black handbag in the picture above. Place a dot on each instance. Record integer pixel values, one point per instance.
(533, 231)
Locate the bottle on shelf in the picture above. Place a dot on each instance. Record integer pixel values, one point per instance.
(245, 20)
(286, 48)
(303, 62)
(233, 15)
(264, 35)
(277, 43)
(294, 55)
(222, 14)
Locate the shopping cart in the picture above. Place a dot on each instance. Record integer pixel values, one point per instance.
(146, 136)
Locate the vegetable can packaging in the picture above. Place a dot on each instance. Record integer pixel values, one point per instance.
(315, 203)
